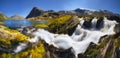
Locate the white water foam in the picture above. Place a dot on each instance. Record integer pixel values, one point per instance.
(79, 41)
(20, 47)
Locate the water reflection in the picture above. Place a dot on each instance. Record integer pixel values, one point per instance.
(16, 23)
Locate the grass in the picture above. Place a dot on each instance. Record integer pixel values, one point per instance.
(36, 52)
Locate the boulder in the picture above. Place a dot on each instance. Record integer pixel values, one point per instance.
(117, 28)
(87, 23)
(100, 23)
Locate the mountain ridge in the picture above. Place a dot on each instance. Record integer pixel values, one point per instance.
(36, 12)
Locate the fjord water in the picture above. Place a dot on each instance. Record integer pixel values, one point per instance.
(80, 39)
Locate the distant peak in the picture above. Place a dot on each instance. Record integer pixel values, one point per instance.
(35, 12)
(36, 8)
(17, 17)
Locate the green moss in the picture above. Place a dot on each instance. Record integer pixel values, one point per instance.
(61, 20)
(117, 42)
(13, 34)
(2, 17)
(58, 23)
(94, 53)
(5, 43)
(41, 26)
(35, 52)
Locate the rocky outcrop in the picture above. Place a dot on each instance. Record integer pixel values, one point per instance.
(100, 23)
(64, 24)
(114, 17)
(117, 28)
(35, 12)
(108, 47)
(87, 23)
(9, 39)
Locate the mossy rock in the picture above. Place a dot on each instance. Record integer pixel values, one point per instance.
(10, 38)
(64, 24)
(44, 26)
(10, 34)
(33, 52)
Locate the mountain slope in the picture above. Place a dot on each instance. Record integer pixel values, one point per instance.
(35, 12)
(2, 16)
(17, 17)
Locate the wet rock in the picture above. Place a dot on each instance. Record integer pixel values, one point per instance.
(27, 30)
(100, 23)
(87, 23)
(114, 17)
(65, 53)
(117, 52)
(117, 28)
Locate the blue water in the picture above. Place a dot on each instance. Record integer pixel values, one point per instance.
(17, 23)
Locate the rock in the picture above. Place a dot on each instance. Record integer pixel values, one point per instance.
(80, 11)
(117, 52)
(117, 28)
(10, 39)
(35, 12)
(10, 34)
(65, 53)
(52, 52)
(27, 30)
(64, 25)
(114, 17)
(100, 23)
(87, 23)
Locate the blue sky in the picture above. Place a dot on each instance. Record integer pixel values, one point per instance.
(23, 7)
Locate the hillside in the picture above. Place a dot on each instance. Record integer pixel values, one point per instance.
(2, 16)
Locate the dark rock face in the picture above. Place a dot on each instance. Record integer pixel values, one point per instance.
(52, 52)
(65, 54)
(114, 17)
(117, 52)
(100, 23)
(35, 12)
(117, 28)
(87, 23)
(27, 30)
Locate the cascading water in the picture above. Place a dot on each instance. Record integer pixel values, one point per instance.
(80, 39)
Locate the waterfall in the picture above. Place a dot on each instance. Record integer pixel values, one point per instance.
(20, 47)
(80, 39)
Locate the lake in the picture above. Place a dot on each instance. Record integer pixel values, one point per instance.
(19, 23)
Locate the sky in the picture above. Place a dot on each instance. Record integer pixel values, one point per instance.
(23, 7)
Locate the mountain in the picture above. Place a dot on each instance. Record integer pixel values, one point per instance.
(2, 16)
(38, 14)
(87, 11)
(17, 17)
(35, 12)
